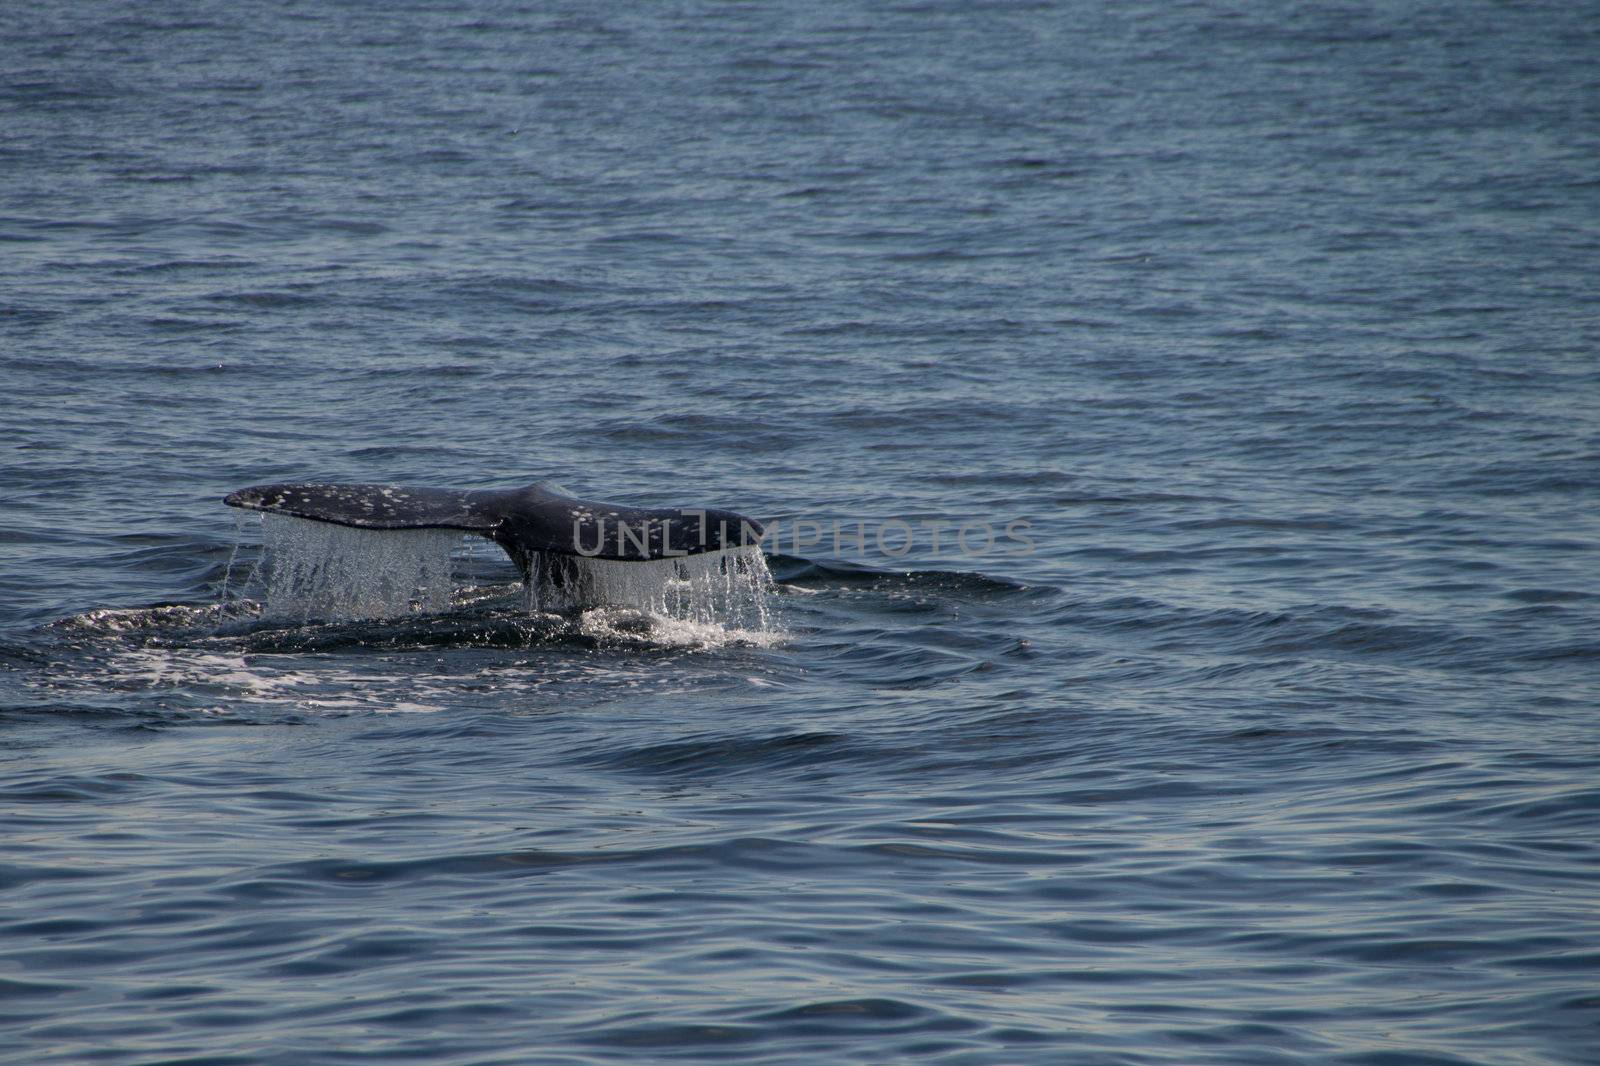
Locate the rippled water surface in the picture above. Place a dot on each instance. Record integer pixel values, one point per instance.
(1272, 739)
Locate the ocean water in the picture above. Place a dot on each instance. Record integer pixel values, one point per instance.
(1268, 735)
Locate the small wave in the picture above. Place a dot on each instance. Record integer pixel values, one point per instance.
(267, 300)
(799, 571)
(1546, 596)
(719, 754)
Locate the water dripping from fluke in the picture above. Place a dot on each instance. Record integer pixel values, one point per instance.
(319, 572)
(315, 570)
(679, 601)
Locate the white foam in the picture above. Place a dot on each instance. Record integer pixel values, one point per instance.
(239, 682)
(628, 625)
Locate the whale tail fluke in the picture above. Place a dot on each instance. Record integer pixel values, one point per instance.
(528, 523)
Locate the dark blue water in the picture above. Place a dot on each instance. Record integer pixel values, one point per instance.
(1276, 323)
